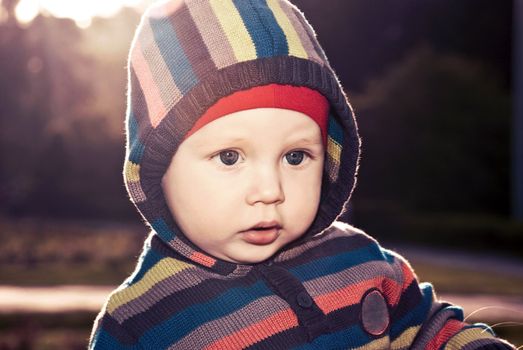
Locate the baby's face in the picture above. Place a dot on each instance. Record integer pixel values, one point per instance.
(248, 183)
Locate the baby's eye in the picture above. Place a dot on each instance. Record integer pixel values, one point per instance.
(295, 157)
(229, 157)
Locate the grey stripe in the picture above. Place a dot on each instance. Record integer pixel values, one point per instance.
(302, 32)
(213, 331)
(187, 278)
(212, 33)
(350, 276)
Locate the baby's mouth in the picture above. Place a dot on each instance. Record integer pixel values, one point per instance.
(263, 233)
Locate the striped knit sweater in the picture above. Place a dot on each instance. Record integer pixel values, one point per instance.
(338, 290)
(335, 287)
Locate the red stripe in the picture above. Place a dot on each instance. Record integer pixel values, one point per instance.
(256, 332)
(353, 293)
(297, 98)
(203, 259)
(448, 331)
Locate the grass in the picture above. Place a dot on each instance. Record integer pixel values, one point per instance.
(477, 232)
(41, 252)
(33, 241)
(60, 274)
(45, 331)
(465, 281)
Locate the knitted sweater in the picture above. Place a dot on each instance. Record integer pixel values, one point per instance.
(338, 290)
(334, 287)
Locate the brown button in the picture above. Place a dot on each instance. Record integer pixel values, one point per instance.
(374, 313)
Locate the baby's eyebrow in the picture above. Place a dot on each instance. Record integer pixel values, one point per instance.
(309, 140)
(221, 142)
(224, 142)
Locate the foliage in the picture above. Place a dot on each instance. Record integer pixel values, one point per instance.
(363, 39)
(61, 118)
(44, 252)
(435, 133)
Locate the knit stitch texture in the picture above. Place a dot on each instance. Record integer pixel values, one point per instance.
(335, 287)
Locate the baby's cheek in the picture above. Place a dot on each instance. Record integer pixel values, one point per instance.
(308, 203)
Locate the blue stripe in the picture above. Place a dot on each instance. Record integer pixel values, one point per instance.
(137, 148)
(182, 323)
(136, 153)
(349, 338)
(173, 54)
(103, 340)
(133, 126)
(336, 263)
(269, 39)
(335, 130)
(416, 316)
(146, 262)
(389, 255)
(161, 228)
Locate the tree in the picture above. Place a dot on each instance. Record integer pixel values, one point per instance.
(435, 135)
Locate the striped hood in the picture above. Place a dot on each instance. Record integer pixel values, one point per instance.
(185, 56)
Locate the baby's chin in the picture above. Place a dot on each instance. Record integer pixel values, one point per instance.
(247, 259)
(248, 254)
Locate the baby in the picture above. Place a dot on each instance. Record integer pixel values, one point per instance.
(242, 152)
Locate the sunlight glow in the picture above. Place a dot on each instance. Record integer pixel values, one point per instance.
(26, 11)
(81, 11)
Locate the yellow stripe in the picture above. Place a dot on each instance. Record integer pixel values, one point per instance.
(333, 159)
(461, 339)
(382, 343)
(405, 339)
(132, 172)
(234, 29)
(334, 150)
(293, 40)
(167, 267)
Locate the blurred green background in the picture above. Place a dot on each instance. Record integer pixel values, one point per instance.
(430, 82)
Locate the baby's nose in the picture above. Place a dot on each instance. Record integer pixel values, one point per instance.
(266, 187)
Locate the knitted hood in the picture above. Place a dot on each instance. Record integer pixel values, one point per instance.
(185, 56)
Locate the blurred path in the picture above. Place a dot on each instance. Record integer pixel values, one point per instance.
(14, 299)
(90, 298)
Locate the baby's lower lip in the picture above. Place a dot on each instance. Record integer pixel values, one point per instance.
(261, 237)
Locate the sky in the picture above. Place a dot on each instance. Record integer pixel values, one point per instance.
(81, 11)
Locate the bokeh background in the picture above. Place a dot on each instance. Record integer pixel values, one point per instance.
(431, 83)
